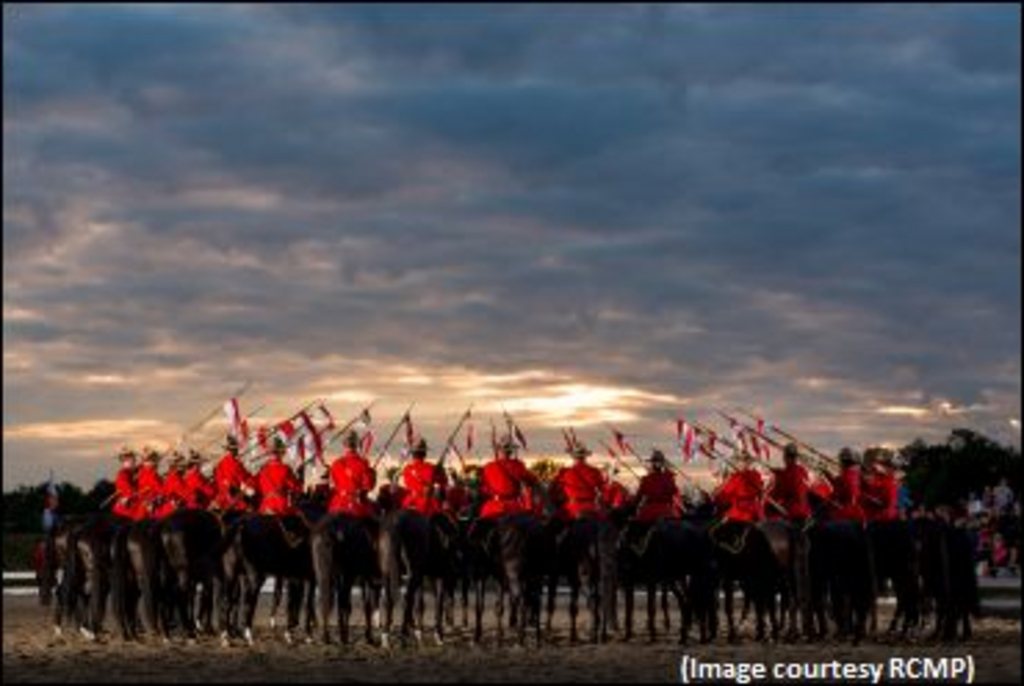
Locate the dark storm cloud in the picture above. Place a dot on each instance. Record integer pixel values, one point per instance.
(814, 210)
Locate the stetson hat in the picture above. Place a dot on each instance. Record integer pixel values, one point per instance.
(351, 439)
(580, 451)
(420, 449)
(657, 457)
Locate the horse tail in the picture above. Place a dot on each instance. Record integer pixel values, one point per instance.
(48, 570)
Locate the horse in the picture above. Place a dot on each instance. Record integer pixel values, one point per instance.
(87, 570)
(258, 545)
(745, 554)
(583, 551)
(192, 546)
(896, 560)
(137, 575)
(344, 550)
(55, 559)
(841, 570)
(512, 549)
(948, 576)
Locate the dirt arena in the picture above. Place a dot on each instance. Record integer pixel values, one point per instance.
(33, 653)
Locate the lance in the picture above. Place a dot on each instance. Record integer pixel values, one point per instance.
(725, 458)
(247, 452)
(454, 433)
(749, 429)
(387, 444)
(213, 413)
(831, 461)
(775, 443)
(513, 428)
(337, 434)
(619, 460)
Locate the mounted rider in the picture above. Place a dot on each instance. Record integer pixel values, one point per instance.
(277, 484)
(880, 487)
(198, 489)
(790, 488)
(741, 496)
(175, 493)
(126, 502)
(657, 495)
(577, 490)
(424, 482)
(503, 482)
(151, 486)
(232, 480)
(352, 478)
(846, 486)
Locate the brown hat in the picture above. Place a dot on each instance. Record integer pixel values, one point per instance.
(151, 455)
(581, 451)
(420, 449)
(657, 457)
(791, 450)
(352, 439)
(507, 445)
(124, 454)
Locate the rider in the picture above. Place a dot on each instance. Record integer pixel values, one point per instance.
(847, 493)
(175, 493)
(880, 488)
(790, 488)
(353, 478)
(126, 503)
(578, 489)
(424, 482)
(151, 487)
(502, 482)
(232, 479)
(657, 495)
(615, 494)
(277, 484)
(198, 489)
(742, 494)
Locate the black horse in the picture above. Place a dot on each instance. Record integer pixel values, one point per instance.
(86, 569)
(842, 576)
(258, 546)
(138, 576)
(344, 550)
(896, 561)
(948, 576)
(511, 549)
(746, 553)
(583, 551)
(192, 545)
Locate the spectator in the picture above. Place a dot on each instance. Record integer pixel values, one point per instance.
(974, 505)
(1002, 496)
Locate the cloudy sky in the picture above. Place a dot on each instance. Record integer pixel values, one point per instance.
(586, 214)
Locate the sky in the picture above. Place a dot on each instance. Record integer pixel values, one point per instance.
(585, 215)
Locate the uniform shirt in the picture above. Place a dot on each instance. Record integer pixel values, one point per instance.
(789, 490)
(353, 478)
(230, 477)
(578, 490)
(126, 504)
(175, 493)
(742, 495)
(151, 489)
(658, 496)
(277, 484)
(501, 485)
(615, 495)
(880, 500)
(199, 491)
(421, 480)
(847, 495)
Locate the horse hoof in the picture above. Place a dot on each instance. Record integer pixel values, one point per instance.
(288, 637)
(418, 635)
(248, 637)
(89, 635)
(385, 641)
(273, 622)
(438, 640)
(58, 631)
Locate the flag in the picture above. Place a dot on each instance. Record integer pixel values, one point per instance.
(234, 416)
(367, 442)
(686, 442)
(469, 438)
(620, 440)
(315, 443)
(262, 438)
(287, 429)
(410, 433)
(327, 416)
(243, 437)
(519, 435)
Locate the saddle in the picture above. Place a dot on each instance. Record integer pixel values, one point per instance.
(732, 539)
(298, 534)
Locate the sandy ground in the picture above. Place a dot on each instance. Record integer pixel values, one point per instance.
(33, 653)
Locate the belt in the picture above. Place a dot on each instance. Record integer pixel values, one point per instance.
(582, 500)
(504, 497)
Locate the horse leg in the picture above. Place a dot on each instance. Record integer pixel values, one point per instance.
(574, 608)
(441, 591)
(252, 581)
(727, 590)
(627, 590)
(500, 612)
(664, 607)
(652, 600)
(552, 590)
(480, 586)
(278, 591)
(344, 607)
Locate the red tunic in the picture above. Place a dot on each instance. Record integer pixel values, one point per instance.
(175, 494)
(151, 489)
(880, 500)
(578, 489)
(742, 495)
(658, 495)
(126, 504)
(421, 480)
(789, 490)
(501, 486)
(353, 478)
(199, 491)
(277, 484)
(615, 495)
(230, 477)
(846, 495)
